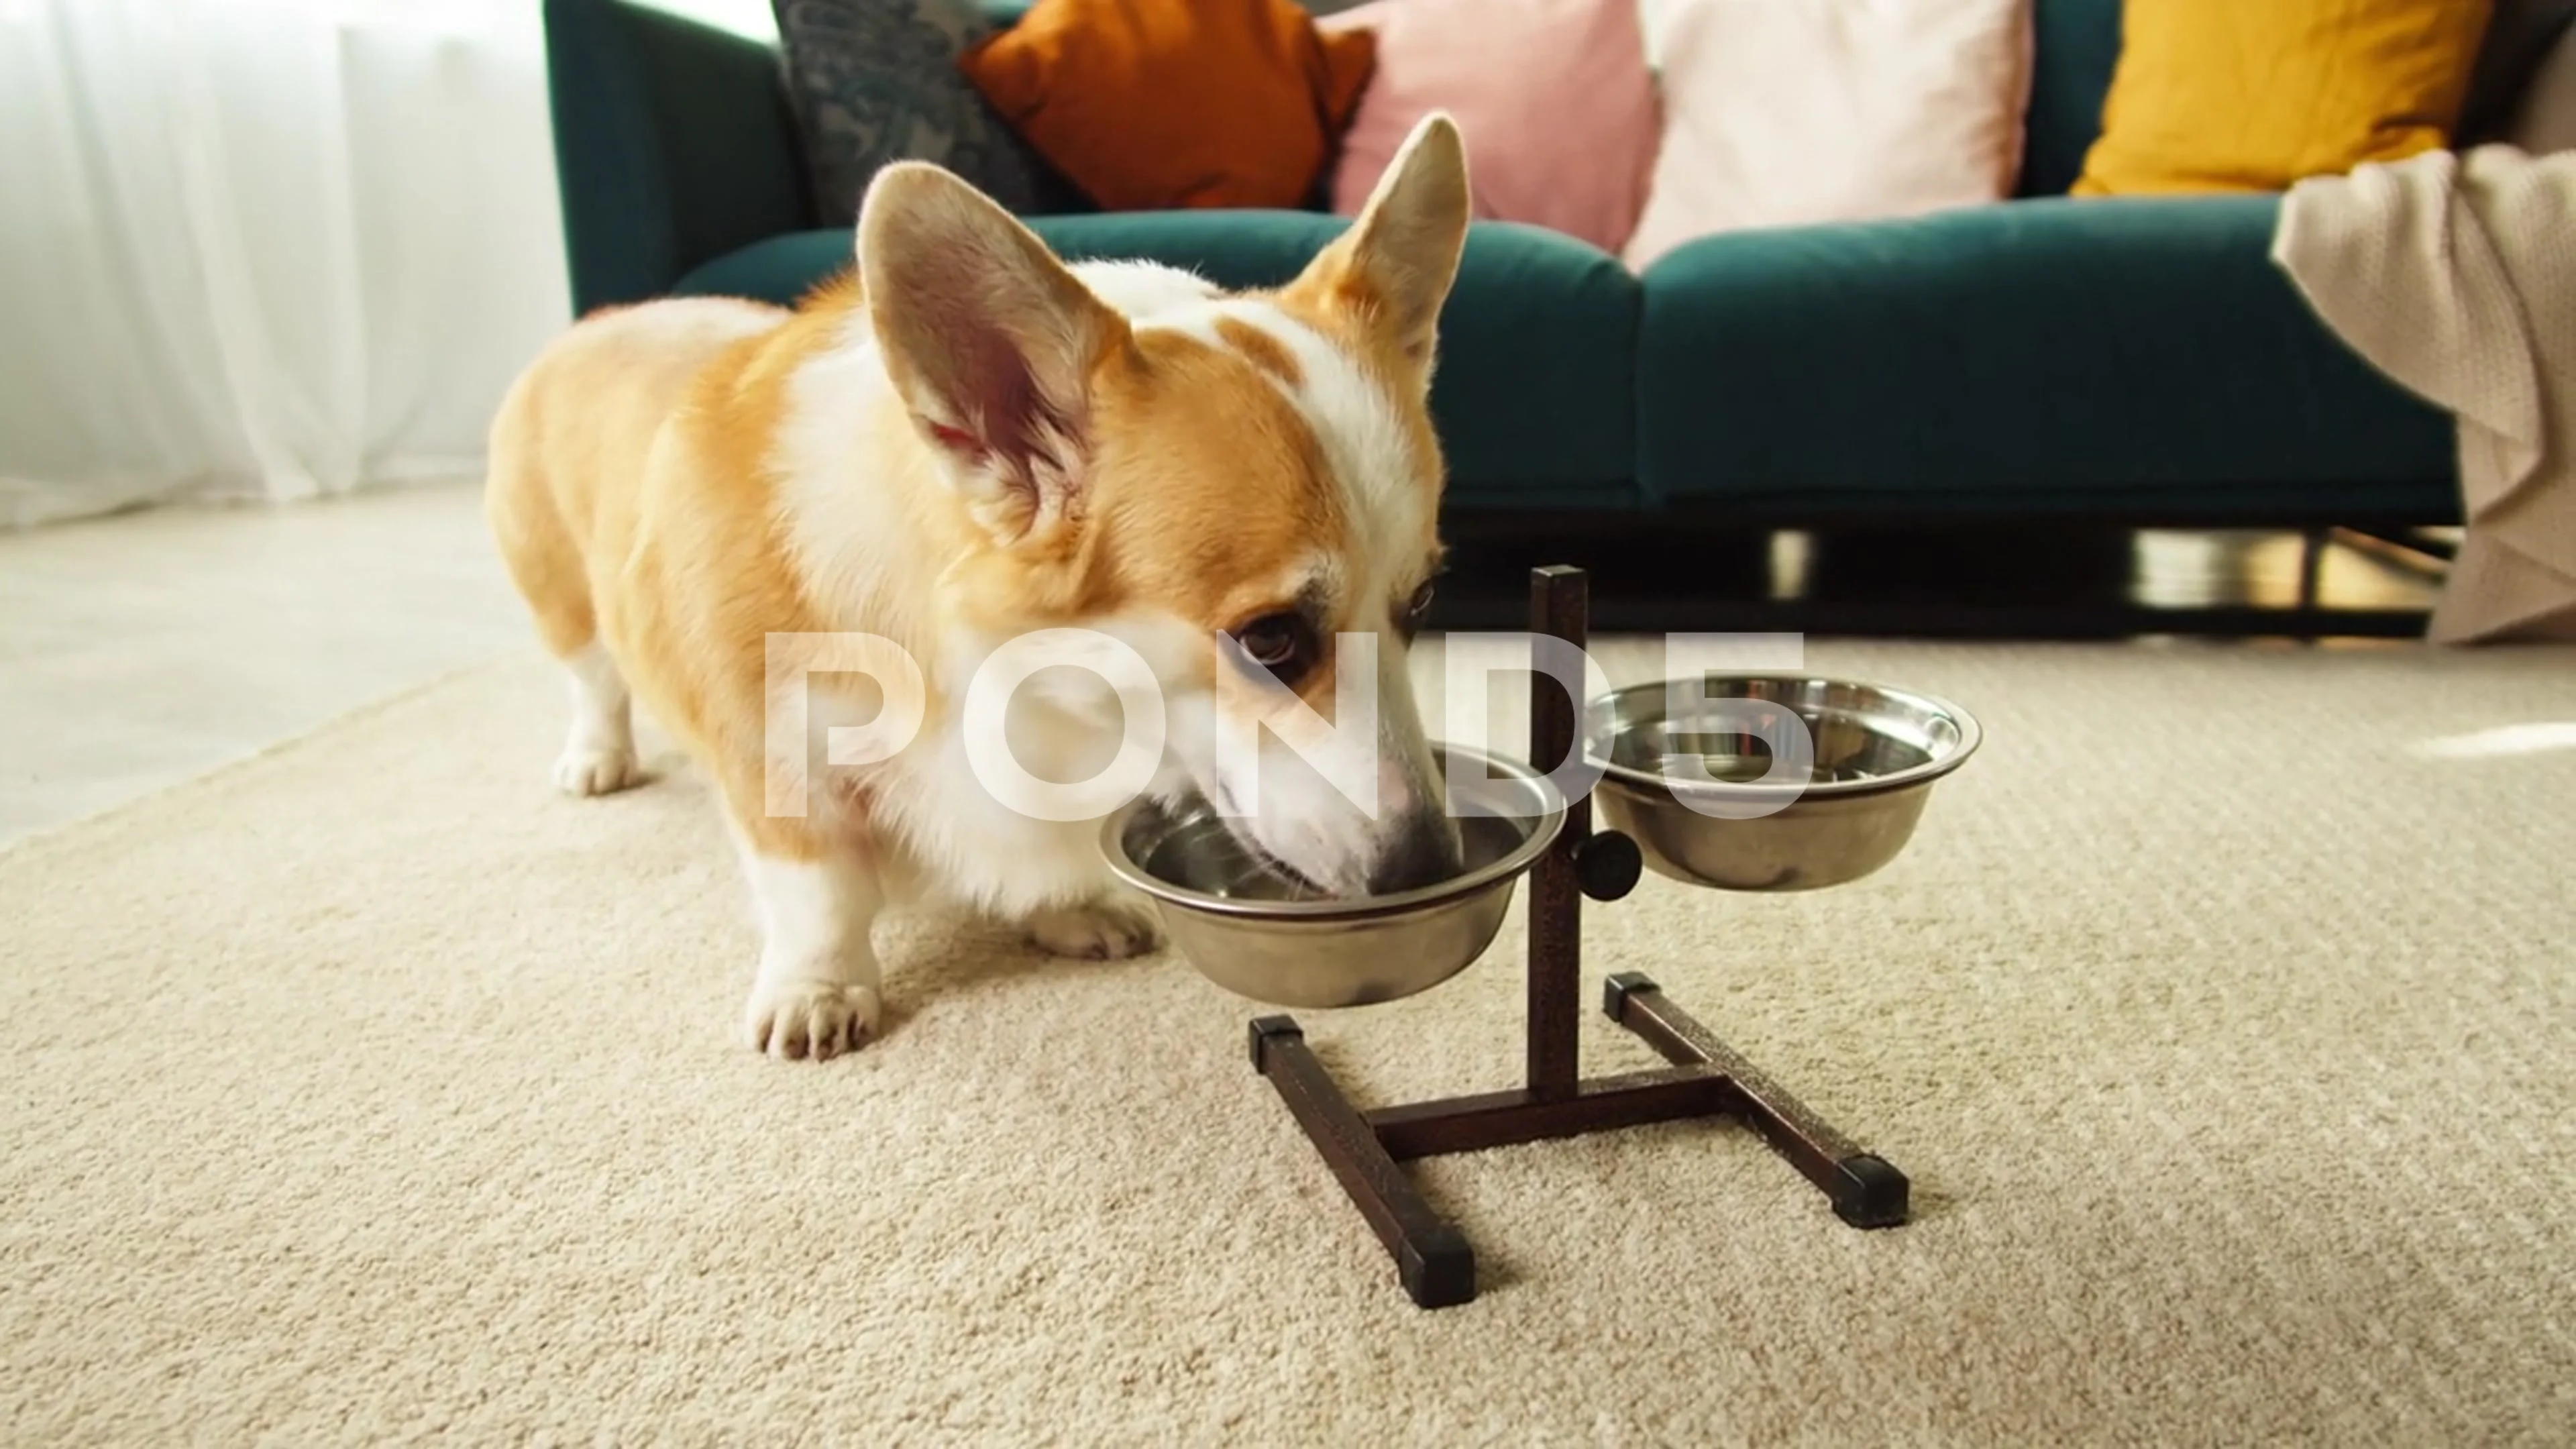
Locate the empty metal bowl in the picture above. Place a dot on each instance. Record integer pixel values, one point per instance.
(1877, 753)
(1269, 937)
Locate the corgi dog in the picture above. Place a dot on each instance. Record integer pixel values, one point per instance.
(959, 443)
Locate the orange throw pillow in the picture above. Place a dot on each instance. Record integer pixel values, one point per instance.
(1153, 104)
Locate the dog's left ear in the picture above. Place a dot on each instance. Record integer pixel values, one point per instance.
(993, 344)
(1395, 265)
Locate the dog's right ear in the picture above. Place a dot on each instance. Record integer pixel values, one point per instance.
(992, 343)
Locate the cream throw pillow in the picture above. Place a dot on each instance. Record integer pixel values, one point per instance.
(1786, 112)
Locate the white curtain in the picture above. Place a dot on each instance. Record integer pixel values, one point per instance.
(271, 249)
(265, 248)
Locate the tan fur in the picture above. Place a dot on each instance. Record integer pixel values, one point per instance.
(1260, 349)
(661, 540)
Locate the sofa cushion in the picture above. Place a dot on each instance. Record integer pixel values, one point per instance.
(1149, 104)
(2219, 95)
(2123, 349)
(1553, 97)
(876, 81)
(1534, 396)
(1838, 110)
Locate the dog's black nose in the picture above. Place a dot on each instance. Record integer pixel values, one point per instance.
(1424, 851)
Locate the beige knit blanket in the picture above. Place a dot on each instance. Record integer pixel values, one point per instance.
(2456, 276)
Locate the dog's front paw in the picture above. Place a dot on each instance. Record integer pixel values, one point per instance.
(808, 1018)
(597, 770)
(1102, 930)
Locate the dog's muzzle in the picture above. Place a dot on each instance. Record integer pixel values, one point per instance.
(1423, 850)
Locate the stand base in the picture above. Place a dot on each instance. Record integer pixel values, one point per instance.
(1708, 1078)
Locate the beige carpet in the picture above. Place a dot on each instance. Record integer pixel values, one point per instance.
(2222, 1015)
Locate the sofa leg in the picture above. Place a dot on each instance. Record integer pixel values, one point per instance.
(2312, 563)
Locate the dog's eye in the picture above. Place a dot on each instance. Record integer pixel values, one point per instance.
(1282, 643)
(1408, 618)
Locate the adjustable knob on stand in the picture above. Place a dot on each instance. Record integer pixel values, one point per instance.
(1607, 865)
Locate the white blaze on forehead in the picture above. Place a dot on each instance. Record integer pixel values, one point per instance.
(1364, 439)
(1145, 292)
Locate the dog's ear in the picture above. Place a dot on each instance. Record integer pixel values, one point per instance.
(992, 343)
(1394, 266)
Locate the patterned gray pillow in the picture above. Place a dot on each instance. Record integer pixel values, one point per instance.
(876, 81)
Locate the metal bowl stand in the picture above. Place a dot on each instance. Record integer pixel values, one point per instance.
(1367, 1149)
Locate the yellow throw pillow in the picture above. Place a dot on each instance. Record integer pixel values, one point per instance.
(2254, 95)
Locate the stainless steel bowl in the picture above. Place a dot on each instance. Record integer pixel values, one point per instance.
(1267, 936)
(1878, 752)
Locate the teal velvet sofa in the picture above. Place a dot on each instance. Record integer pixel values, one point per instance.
(2138, 362)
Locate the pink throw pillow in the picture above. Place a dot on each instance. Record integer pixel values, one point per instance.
(1790, 112)
(1553, 97)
